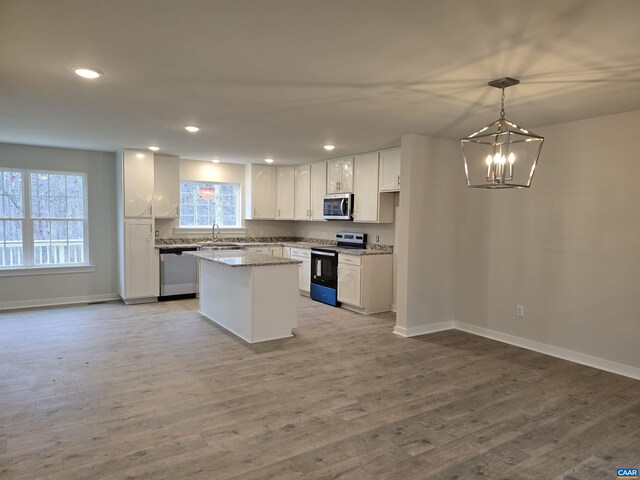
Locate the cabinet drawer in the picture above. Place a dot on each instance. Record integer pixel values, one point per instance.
(301, 252)
(350, 259)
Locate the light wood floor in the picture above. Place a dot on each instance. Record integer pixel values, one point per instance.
(156, 392)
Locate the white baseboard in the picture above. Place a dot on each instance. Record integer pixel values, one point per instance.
(51, 302)
(422, 329)
(581, 358)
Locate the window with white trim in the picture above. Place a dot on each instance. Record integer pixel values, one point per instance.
(203, 204)
(43, 219)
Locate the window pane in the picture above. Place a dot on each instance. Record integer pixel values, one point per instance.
(13, 206)
(40, 184)
(206, 203)
(75, 207)
(74, 186)
(57, 185)
(39, 207)
(57, 207)
(12, 183)
(12, 250)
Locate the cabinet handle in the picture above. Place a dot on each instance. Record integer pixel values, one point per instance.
(398, 180)
(278, 213)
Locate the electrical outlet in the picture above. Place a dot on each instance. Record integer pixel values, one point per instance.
(377, 238)
(519, 310)
(157, 233)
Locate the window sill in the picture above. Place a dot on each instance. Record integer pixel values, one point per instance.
(207, 231)
(51, 270)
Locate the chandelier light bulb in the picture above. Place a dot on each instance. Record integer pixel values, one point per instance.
(512, 158)
(488, 160)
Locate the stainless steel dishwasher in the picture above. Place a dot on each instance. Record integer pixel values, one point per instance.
(178, 273)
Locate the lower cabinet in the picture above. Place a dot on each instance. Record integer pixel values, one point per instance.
(304, 269)
(365, 282)
(139, 269)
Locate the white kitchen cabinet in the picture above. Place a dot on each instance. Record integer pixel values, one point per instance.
(303, 192)
(260, 192)
(318, 189)
(286, 252)
(140, 276)
(365, 282)
(137, 183)
(349, 284)
(285, 192)
(340, 175)
(276, 250)
(166, 191)
(370, 206)
(304, 269)
(390, 170)
(138, 272)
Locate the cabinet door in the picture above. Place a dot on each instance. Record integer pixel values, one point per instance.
(276, 251)
(346, 175)
(284, 193)
(318, 189)
(303, 192)
(166, 191)
(349, 285)
(366, 195)
(334, 175)
(138, 183)
(263, 192)
(286, 252)
(390, 170)
(140, 265)
(265, 250)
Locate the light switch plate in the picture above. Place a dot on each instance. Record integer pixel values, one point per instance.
(519, 310)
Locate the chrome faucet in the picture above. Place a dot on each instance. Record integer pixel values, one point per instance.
(214, 235)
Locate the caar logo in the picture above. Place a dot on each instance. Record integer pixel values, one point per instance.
(627, 473)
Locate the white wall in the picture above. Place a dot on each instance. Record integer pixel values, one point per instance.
(425, 235)
(568, 248)
(101, 190)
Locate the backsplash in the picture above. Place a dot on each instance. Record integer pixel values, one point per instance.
(317, 241)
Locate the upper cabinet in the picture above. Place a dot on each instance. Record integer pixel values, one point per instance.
(166, 179)
(137, 183)
(285, 192)
(303, 192)
(318, 189)
(260, 192)
(370, 206)
(340, 175)
(390, 170)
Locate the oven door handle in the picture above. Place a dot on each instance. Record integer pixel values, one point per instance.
(325, 254)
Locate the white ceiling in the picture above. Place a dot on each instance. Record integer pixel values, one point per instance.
(283, 77)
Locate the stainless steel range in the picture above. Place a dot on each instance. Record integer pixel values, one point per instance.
(324, 267)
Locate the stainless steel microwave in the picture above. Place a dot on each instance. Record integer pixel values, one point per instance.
(338, 206)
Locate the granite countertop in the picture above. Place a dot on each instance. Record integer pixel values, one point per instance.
(241, 258)
(346, 251)
(372, 249)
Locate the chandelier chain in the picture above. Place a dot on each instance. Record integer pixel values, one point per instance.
(502, 106)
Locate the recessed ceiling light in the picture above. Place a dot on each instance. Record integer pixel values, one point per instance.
(85, 72)
(328, 148)
(153, 148)
(268, 160)
(191, 128)
(216, 161)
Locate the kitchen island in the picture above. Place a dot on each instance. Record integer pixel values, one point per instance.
(253, 295)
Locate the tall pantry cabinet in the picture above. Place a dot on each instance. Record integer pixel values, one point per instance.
(137, 258)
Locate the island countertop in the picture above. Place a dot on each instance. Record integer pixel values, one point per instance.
(242, 258)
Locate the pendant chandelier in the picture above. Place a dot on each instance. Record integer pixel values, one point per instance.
(501, 154)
